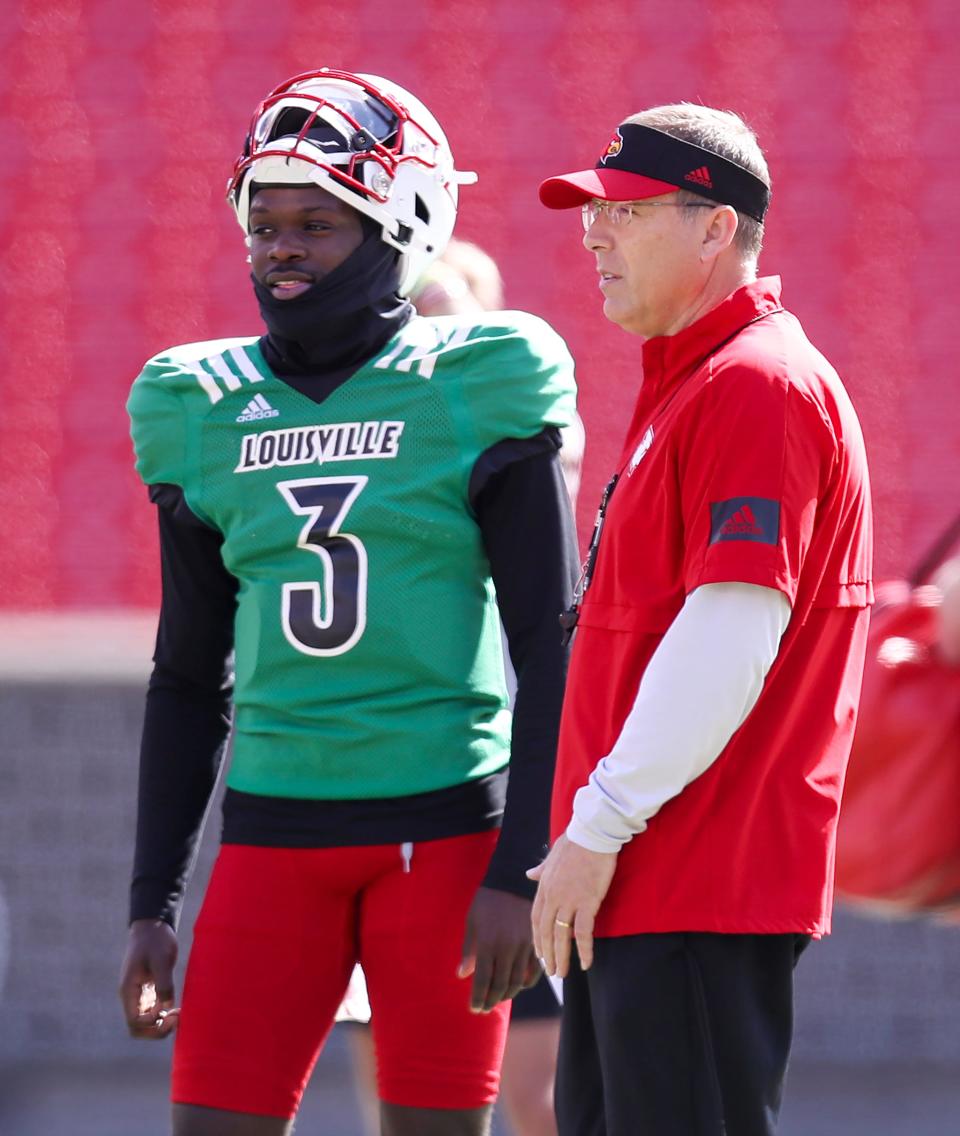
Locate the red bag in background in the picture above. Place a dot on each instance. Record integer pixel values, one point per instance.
(898, 842)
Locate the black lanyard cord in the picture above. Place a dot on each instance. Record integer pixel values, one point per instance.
(569, 618)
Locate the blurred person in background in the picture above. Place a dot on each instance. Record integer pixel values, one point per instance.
(342, 501)
(947, 582)
(720, 635)
(898, 844)
(466, 279)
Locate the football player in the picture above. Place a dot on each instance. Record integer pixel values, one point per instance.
(343, 501)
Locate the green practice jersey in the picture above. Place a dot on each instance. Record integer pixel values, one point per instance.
(368, 658)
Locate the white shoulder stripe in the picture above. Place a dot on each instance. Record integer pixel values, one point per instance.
(213, 392)
(222, 371)
(384, 362)
(419, 334)
(219, 366)
(421, 343)
(426, 358)
(244, 366)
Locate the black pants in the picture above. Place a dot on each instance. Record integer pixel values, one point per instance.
(683, 1034)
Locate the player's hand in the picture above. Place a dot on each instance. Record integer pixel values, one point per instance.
(498, 948)
(146, 979)
(572, 883)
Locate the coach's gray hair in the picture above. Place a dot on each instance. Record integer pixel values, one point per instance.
(726, 134)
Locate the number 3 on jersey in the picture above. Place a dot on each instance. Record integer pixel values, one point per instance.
(326, 617)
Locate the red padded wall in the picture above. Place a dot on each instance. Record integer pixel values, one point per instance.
(120, 122)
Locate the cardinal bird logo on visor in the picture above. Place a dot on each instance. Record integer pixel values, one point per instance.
(614, 147)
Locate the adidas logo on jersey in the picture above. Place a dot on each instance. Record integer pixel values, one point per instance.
(256, 409)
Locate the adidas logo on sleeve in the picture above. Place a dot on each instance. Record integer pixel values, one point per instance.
(256, 409)
(745, 518)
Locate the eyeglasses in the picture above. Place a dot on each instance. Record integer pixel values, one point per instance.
(621, 212)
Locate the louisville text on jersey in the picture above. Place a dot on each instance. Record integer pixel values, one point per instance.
(306, 445)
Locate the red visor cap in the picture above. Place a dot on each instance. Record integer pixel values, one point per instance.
(569, 190)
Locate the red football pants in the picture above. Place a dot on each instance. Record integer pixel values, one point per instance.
(274, 945)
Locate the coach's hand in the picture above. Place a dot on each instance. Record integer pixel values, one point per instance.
(146, 979)
(572, 883)
(498, 948)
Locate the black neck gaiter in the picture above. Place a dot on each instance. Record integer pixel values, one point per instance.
(339, 323)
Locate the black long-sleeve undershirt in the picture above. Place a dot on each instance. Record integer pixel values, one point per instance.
(188, 706)
(522, 508)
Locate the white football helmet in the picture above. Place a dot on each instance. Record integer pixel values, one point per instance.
(368, 142)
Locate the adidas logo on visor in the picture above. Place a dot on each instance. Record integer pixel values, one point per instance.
(701, 176)
(257, 408)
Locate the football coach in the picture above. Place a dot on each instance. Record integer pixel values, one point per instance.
(720, 630)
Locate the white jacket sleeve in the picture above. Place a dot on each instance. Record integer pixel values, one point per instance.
(701, 683)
